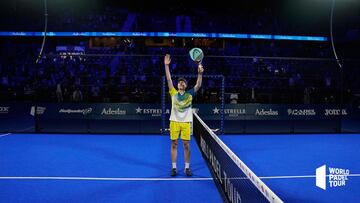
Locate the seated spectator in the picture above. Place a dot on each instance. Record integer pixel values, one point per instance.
(234, 98)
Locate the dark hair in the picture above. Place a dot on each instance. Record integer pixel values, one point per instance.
(182, 79)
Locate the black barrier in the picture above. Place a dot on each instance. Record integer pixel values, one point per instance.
(146, 118)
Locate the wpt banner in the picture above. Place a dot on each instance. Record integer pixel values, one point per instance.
(207, 111)
(110, 111)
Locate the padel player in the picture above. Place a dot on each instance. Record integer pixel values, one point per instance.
(181, 116)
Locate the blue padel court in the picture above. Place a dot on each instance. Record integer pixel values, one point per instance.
(287, 163)
(113, 168)
(98, 168)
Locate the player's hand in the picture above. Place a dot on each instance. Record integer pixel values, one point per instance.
(167, 59)
(200, 69)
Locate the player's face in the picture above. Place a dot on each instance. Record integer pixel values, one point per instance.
(182, 85)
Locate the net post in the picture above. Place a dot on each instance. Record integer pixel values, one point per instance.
(222, 105)
(163, 107)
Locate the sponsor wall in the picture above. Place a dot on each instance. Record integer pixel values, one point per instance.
(16, 118)
(146, 118)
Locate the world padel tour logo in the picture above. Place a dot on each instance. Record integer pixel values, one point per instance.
(336, 177)
(39, 110)
(301, 112)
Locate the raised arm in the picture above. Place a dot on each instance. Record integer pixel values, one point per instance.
(167, 61)
(199, 78)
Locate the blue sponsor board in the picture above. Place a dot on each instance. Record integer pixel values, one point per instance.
(16, 117)
(109, 111)
(146, 118)
(272, 111)
(106, 118)
(66, 110)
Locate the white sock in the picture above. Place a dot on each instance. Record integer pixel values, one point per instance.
(187, 165)
(174, 165)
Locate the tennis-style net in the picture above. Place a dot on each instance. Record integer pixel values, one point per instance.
(236, 181)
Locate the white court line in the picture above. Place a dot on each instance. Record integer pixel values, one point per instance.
(110, 179)
(150, 179)
(3, 135)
